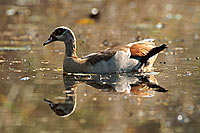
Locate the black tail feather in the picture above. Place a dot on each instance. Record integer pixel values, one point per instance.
(153, 52)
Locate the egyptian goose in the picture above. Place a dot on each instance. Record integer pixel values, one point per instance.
(138, 56)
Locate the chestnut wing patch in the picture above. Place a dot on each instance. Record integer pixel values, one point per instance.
(101, 55)
(139, 50)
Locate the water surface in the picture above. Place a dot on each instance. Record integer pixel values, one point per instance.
(34, 94)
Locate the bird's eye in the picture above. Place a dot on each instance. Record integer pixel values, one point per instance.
(59, 32)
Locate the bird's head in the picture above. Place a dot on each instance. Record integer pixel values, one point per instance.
(61, 33)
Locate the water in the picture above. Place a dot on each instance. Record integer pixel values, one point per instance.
(34, 94)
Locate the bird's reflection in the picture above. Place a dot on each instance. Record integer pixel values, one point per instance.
(143, 85)
(67, 107)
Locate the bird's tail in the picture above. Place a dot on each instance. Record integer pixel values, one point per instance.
(152, 52)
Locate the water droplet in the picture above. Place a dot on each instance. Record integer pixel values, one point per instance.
(159, 25)
(10, 12)
(109, 99)
(180, 117)
(17, 71)
(94, 13)
(169, 42)
(25, 78)
(45, 62)
(17, 62)
(94, 99)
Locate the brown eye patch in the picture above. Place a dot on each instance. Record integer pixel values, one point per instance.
(59, 31)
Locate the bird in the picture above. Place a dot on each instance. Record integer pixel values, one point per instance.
(137, 56)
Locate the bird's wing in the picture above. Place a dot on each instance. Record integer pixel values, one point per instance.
(99, 56)
(137, 49)
(141, 48)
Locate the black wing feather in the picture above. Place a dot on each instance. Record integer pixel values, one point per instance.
(99, 56)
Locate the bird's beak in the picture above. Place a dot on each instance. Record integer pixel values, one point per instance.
(51, 39)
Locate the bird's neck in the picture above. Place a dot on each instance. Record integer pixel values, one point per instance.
(70, 46)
